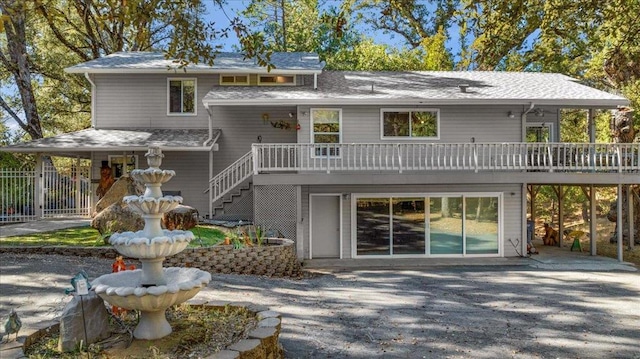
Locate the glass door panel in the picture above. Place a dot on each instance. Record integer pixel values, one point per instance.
(445, 225)
(373, 226)
(481, 225)
(408, 226)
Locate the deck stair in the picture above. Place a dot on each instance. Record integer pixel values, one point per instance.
(231, 190)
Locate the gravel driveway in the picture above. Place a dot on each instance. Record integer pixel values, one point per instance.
(438, 312)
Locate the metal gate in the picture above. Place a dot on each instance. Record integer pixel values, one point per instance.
(66, 190)
(17, 195)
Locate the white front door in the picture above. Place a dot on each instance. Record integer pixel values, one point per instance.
(325, 226)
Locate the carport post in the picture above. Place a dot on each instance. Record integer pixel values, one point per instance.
(630, 216)
(593, 226)
(619, 223)
(38, 196)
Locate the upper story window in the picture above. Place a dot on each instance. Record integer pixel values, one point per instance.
(277, 80)
(410, 124)
(326, 126)
(181, 97)
(234, 79)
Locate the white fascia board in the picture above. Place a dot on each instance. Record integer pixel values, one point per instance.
(595, 103)
(99, 149)
(178, 71)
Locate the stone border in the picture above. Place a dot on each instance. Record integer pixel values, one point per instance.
(275, 258)
(263, 341)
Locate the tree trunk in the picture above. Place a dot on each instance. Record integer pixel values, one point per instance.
(16, 60)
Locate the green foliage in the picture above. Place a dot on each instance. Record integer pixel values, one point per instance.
(206, 236)
(81, 236)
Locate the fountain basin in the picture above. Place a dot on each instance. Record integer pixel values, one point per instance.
(152, 175)
(137, 245)
(150, 205)
(123, 289)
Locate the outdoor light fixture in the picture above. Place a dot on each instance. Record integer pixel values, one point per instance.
(510, 114)
(539, 112)
(290, 114)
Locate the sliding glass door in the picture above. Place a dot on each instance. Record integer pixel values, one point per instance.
(447, 225)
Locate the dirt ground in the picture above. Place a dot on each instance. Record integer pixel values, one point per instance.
(432, 312)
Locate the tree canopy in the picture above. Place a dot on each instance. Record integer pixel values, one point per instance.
(595, 41)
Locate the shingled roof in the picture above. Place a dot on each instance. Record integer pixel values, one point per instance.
(119, 140)
(423, 87)
(155, 62)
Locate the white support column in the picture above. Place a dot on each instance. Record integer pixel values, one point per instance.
(619, 223)
(630, 216)
(210, 185)
(593, 235)
(77, 180)
(523, 229)
(39, 186)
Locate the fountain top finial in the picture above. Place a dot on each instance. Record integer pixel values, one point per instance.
(154, 157)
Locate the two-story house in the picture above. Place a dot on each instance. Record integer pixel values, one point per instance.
(349, 164)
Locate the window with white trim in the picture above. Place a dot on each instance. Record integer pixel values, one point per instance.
(410, 124)
(326, 126)
(181, 96)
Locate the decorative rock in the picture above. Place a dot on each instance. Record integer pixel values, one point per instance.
(117, 218)
(269, 322)
(83, 315)
(182, 217)
(225, 354)
(248, 348)
(124, 186)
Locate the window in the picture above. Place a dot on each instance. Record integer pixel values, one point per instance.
(182, 96)
(409, 124)
(325, 129)
(445, 225)
(234, 79)
(276, 80)
(117, 165)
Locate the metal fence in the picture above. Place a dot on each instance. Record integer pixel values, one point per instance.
(17, 195)
(54, 192)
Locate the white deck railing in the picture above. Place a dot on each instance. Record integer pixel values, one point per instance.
(230, 177)
(363, 157)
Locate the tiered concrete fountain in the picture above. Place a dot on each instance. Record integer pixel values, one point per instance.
(153, 288)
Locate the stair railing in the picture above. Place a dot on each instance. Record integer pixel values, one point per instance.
(230, 177)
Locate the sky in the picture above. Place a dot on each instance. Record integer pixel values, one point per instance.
(233, 6)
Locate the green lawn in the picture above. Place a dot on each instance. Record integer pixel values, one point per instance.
(89, 237)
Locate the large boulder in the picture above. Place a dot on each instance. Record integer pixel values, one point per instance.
(117, 218)
(181, 217)
(85, 320)
(124, 186)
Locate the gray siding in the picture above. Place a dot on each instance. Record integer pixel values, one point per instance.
(458, 124)
(140, 101)
(241, 127)
(191, 177)
(511, 213)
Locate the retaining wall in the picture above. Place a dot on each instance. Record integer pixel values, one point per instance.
(276, 257)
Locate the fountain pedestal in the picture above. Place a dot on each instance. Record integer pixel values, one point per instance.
(153, 288)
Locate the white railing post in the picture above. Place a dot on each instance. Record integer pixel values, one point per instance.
(254, 152)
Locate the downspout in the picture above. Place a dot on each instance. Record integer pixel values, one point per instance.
(315, 81)
(210, 162)
(93, 102)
